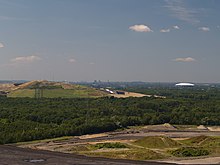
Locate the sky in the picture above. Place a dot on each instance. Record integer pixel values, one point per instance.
(110, 40)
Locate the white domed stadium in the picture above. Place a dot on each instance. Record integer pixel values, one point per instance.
(184, 85)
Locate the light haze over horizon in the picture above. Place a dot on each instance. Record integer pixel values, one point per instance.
(110, 40)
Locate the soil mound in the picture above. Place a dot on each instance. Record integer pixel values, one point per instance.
(161, 127)
(214, 128)
(204, 141)
(202, 127)
(157, 142)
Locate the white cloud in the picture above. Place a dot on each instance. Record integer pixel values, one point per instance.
(205, 29)
(25, 59)
(165, 30)
(1, 45)
(72, 60)
(5, 18)
(176, 27)
(140, 28)
(91, 63)
(179, 9)
(187, 59)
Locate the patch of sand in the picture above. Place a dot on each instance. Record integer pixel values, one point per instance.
(112, 141)
(179, 138)
(129, 94)
(214, 128)
(133, 94)
(160, 127)
(7, 87)
(202, 127)
(93, 136)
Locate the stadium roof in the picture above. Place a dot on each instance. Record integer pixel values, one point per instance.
(185, 84)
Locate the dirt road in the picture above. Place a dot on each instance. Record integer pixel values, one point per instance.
(10, 155)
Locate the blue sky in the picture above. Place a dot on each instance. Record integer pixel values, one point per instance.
(115, 40)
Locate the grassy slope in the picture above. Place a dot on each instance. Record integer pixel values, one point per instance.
(22, 93)
(154, 147)
(59, 92)
(212, 144)
(157, 142)
(134, 154)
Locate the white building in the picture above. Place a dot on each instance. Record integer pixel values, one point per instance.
(184, 85)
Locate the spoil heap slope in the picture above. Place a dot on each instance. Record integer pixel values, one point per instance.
(48, 89)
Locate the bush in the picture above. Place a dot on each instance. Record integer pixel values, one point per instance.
(110, 145)
(189, 152)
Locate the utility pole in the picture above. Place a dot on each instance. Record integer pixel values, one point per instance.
(38, 91)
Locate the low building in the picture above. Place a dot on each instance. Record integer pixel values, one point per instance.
(120, 92)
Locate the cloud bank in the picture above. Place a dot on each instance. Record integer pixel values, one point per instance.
(165, 30)
(140, 28)
(187, 59)
(25, 59)
(205, 29)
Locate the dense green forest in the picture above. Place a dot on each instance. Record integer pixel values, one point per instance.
(24, 119)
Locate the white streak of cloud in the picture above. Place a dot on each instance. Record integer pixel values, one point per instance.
(1, 45)
(179, 10)
(165, 30)
(187, 59)
(72, 60)
(205, 29)
(5, 18)
(176, 27)
(140, 28)
(25, 59)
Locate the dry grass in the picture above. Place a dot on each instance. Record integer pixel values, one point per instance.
(137, 154)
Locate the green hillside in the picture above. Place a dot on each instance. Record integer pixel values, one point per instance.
(48, 89)
(157, 142)
(203, 141)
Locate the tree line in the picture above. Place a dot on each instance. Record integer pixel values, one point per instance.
(25, 119)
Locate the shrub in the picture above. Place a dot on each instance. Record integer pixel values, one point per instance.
(110, 145)
(190, 151)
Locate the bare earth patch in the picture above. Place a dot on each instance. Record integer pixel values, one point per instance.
(129, 94)
(93, 136)
(214, 128)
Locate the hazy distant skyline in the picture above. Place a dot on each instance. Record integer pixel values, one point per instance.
(115, 40)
